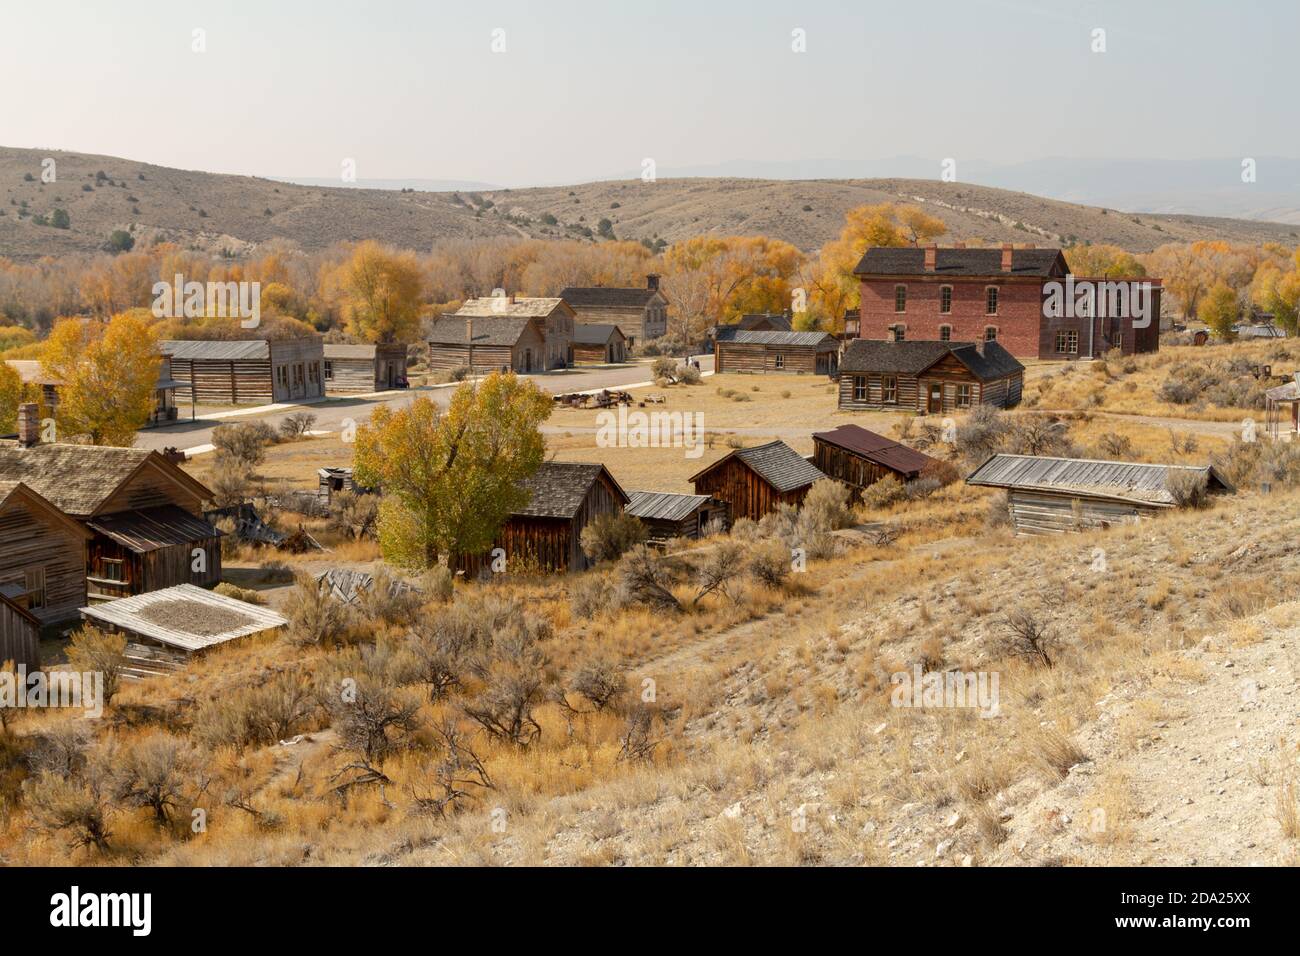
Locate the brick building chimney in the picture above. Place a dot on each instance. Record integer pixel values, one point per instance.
(652, 282)
(29, 424)
(1006, 257)
(931, 255)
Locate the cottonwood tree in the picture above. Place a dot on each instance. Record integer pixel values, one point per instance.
(1220, 309)
(451, 478)
(11, 396)
(378, 292)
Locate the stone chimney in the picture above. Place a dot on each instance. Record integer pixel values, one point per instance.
(29, 424)
(469, 328)
(931, 255)
(652, 282)
(1006, 257)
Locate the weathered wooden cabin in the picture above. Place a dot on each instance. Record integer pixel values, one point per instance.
(552, 318)
(755, 481)
(144, 513)
(42, 561)
(805, 353)
(642, 314)
(599, 344)
(332, 479)
(485, 345)
(859, 458)
(667, 515)
(933, 377)
(20, 633)
(1055, 495)
(164, 410)
(252, 371)
(360, 369)
(564, 497)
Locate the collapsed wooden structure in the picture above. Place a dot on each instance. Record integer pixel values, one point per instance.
(185, 618)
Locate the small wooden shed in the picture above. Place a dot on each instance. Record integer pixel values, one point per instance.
(153, 548)
(359, 369)
(1054, 495)
(667, 515)
(20, 633)
(858, 457)
(248, 371)
(804, 353)
(599, 344)
(755, 481)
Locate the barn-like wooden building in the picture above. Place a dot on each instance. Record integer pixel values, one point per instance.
(253, 371)
(485, 345)
(755, 481)
(1054, 495)
(859, 458)
(808, 353)
(358, 369)
(599, 343)
(668, 515)
(642, 314)
(923, 376)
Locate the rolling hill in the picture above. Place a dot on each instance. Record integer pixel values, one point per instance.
(235, 214)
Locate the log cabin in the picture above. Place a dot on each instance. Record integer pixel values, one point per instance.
(245, 372)
(42, 566)
(1055, 495)
(554, 320)
(359, 369)
(144, 514)
(164, 410)
(601, 344)
(803, 353)
(20, 634)
(667, 515)
(564, 497)
(859, 458)
(933, 377)
(484, 345)
(642, 314)
(755, 481)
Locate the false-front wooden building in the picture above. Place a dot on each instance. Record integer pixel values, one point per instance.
(563, 498)
(42, 567)
(667, 515)
(1055, 495)
(143, 514)
(755, 481)
(360, 369)
(934, 377)
(642, 314)
(599, 343)
(253, 371)
(809, 353)
(857, 457)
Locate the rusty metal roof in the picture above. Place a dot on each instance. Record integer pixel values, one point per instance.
(877, 448)
(151, 529)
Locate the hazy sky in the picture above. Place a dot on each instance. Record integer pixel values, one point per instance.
(586, 89)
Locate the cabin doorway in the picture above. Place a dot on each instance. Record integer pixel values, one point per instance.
(935, 401)
(528, 360)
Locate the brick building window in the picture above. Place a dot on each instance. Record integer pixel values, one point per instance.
(991, 300)
(859, 388)
(963, 396)
(889, 390)
(900, 298)
(1067, 341)
(990, 333)
(945, 299)
(899, 331)
(945, 333)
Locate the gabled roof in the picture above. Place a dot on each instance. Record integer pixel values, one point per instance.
(501, 306)
(488, 330)
(776, 463)
(16, 491)
(765, 321)
(29, 370)
(877, 448)
(217, 349)
(910, 260)
(595, 333)
(601, 297)
(1115, 480)
(78, 479)
(730, 333)
(987, 362)
(558, 488)
(664, 506)
(152, 529)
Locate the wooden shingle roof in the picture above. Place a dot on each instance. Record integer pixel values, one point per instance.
(595, 333)
(910, 260)
(1115, 480)
(452, 330)
(601, 297)
(776, 463)
(988, 361)
(558, 488)
(500, 306)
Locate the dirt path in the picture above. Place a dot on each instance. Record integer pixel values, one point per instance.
(1195, 425)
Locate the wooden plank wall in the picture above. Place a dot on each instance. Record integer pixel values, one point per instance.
(223, 382)
(149, 488)
(27, 542)
(1041, 513)
(752, 357)
(351, 375)
(19, 639)
(854, 470)
(746, 494)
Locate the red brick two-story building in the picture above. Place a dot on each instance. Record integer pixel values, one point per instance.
(984, 295)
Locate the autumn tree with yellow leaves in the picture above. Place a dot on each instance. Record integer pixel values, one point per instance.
(107, 374)
(378, 291)
(11, 396)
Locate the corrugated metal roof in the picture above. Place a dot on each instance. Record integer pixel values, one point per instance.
(153, 528)
(877, 448)
(664, 506)
(1120, 480)
(125, 613)
(216, 350)
(729, 333)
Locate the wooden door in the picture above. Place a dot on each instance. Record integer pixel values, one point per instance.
(935, 401)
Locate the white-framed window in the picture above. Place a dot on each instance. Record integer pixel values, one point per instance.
(900, 298)
(1067, 341)
(329, 369)
(859, 388)
(1119, 341)
(945, 299)
(778, 360)
(889, 390)
(991, 300)
(990, 333)
(963, 396)
(945, 333)
(899, 331)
